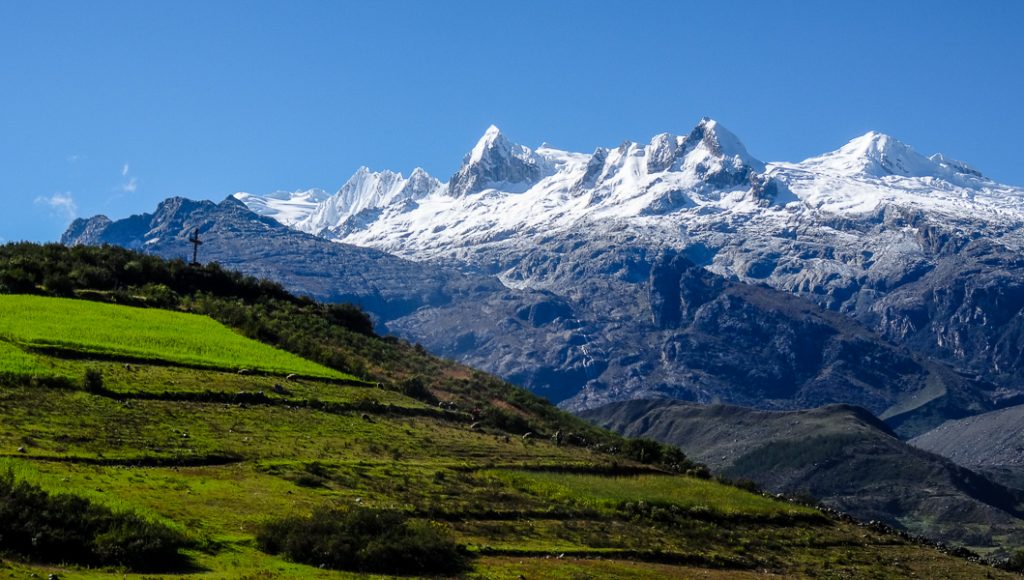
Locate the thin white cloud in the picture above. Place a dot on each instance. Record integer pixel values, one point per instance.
(60, 203)
(130, 186)
(130, 183)
(75, 158)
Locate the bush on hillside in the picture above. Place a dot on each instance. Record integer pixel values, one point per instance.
(69, 529)
(652, 452)
(93, 381)
(505, 421)
(349, 316)
(415, 388)
(1015, 563)
(364, 540)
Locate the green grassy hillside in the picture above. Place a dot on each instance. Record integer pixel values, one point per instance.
(161, 438)
(94, 329)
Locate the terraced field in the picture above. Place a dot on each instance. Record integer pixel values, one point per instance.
(177, 436)
(82, 328)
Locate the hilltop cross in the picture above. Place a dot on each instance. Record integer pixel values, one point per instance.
(196, 242)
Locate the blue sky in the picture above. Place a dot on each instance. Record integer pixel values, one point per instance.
(110, 107)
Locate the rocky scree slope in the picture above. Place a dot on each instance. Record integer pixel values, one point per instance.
(991, 443)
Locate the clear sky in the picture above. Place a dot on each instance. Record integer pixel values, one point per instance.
(110, 107)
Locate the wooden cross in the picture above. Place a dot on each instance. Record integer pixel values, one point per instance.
(196, 242)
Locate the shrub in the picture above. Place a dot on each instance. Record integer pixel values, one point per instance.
(136, 543)
(505, 421)
(93, 381)
(642, 450)
(747, 485)
(66, 528)
(59, 284)
(1015, 563)
(414, 387)
(159, 295)
(699, 471)
(349, 316)
(364, 540)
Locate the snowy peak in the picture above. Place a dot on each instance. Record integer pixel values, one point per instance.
(495, 162)
(709, 146)
(419, 185)
(368, 190)
(710, 139)
(492, 140)
(707, 161)
(879, 155)
(662, 151)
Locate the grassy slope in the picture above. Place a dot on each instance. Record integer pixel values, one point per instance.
(183, 445)
(159, 335)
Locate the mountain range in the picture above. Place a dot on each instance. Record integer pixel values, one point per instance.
(666, 268)
(688, 271)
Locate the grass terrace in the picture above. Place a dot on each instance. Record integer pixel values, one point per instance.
(82, 328)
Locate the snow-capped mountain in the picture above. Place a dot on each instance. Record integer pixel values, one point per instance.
(925, 250)
(688, 188)
(875, 170)
(785, 224)
(504, 188)
(316, 212)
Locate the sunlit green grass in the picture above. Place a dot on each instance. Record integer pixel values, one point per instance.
(107, 329)
(15, 361)
(67, 422)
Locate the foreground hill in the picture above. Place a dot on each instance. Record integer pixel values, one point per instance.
(841, 455)
(191, 453)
